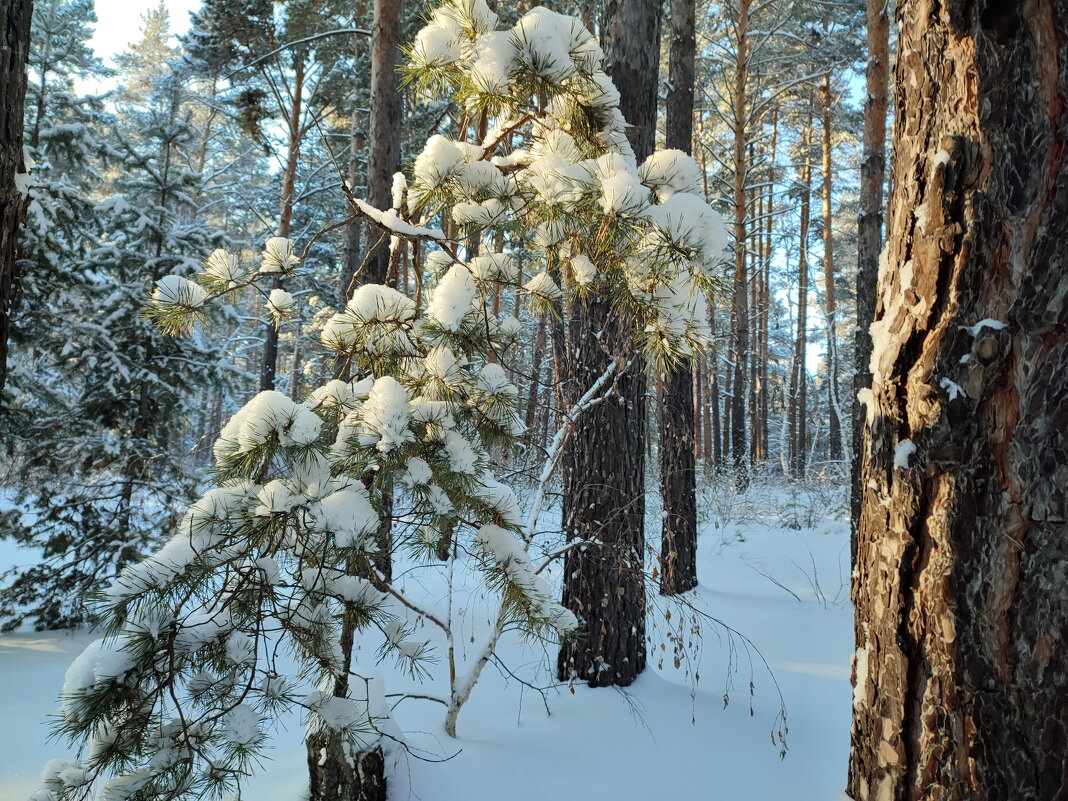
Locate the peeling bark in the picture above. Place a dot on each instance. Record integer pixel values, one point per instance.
(869, 226)
(959, 586)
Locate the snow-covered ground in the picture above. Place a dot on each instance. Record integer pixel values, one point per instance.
(667, 736)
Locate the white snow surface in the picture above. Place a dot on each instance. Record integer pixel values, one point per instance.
(656, 741)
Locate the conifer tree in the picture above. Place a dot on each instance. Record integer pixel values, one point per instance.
(112, 389)
(282, 550)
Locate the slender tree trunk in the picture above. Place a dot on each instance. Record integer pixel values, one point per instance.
(830, 309)
(869, 227)
(710, 383)
(14, 51)
(285, 221)
(756, 262)
(698, 408)
(799, 384)
(384, 139)
(959, 586)
(728, 406)
(353, 252)
(535, 371)
(739, 452)
(336, 775)
(765, 323)
(604, 466)
(678, 476)
(335, 771)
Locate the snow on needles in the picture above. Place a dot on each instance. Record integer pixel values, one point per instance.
(451, 299)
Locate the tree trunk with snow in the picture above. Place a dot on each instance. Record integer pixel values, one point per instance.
(678, 477)
(604, 463)
(959, 587)
(869, 224)
(15, 28)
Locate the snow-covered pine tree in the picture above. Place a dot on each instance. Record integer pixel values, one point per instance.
(176, 699)
(111, 390)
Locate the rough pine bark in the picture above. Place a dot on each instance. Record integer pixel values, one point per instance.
(869, 225)
(678, 476)
(961, 667)
(14, 50)
(604, 461)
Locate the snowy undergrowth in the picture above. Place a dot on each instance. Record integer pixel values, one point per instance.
(668, 735)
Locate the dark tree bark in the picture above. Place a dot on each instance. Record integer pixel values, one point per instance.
(959, 586)
(335, 771)
(830, 307)
(353, 252)
(869, 226)
(765, 323)
(384, 135)
(535, 372)
(14, 51)
(798, 414)
(269, 365)
(678, 477)
(740, 308)
(604, 459)
(332, 776)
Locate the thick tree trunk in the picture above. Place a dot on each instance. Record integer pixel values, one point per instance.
(14, 50)
(959, 586)
(830, 307)
(678, 476)
(285, 221)
(740, 321)
(869, 226)
(604, 502)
